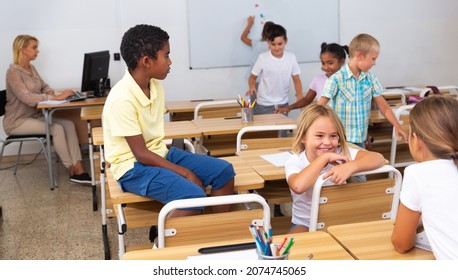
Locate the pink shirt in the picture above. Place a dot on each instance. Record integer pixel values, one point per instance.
(317, 84)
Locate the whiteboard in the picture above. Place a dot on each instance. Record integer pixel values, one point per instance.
(215, 27)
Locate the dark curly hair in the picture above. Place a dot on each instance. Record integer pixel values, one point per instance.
(142, 40)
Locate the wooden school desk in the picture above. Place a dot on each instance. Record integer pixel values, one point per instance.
(184, 110)
(267, 170)
(229, 127)
(320, 244)
(372, 241)
(49, 109)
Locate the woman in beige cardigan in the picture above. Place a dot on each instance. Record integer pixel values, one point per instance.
(24, 90)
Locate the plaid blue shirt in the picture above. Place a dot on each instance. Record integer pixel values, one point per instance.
(350, 98)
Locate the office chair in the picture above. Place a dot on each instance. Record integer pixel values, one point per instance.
(40, 138)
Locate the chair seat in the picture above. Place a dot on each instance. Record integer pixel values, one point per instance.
(10, 137)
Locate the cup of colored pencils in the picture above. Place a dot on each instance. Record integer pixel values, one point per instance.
(266, 249)
(247, 108)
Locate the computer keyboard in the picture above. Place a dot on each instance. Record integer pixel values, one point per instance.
(77, 96)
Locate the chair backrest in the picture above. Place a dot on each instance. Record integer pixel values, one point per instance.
(357, 201)
(401, 115)
(264, 143)
(230, 108)
(186, 144)
(392, 94)
(210, 227)
(2, 102)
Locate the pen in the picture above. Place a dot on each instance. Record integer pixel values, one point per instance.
(282, 244)
(291, 242)
(256, 239)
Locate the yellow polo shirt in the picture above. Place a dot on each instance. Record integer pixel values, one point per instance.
(128, 112)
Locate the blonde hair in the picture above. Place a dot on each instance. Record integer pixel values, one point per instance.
(435, 121)
(21, 41)
(308, 116)
(362, 43)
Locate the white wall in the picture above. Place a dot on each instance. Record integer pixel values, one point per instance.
(418, 39)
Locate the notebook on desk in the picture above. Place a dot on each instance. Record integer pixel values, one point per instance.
(77, 96)
(421, 241)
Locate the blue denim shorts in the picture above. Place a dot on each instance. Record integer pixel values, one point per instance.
(164, 185)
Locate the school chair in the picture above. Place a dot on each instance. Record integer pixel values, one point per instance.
(264, 143)
(356, 202)
(212, 226)
(399, 153)
(40, 138)
(394, 98)
(275, 192)
(217, 109)
(229, 108)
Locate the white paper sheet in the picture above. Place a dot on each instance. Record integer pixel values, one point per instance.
(278, 159)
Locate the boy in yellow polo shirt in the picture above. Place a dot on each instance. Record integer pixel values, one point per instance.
(133, 126)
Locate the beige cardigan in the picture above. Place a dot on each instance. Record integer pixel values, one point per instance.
(23, 91)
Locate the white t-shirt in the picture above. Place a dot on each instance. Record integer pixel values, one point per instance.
(275, 76)
(317, 84)
(431, 187)
(257, 47)
(302, 202)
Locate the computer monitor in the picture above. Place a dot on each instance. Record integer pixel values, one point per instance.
(95, 72)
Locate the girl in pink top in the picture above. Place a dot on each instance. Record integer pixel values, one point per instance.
(332, 57)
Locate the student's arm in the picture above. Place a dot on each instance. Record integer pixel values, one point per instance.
(304, 180)
(388, 114)
(301, 103)
(146, 157)
(405, 229)
(323, 100)
(364, 160)
(251, 85)
(297, 86)
(244, 36)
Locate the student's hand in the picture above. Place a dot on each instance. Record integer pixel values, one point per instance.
(250, 21)
(401, 133)
(193, 178)
(339, 173)
(251, 91)
(282, 110)
(336, 159)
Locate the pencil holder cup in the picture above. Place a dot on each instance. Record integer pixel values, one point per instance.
(247, 115)
(272, 258)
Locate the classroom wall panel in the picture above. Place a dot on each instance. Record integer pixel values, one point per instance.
(215, 28)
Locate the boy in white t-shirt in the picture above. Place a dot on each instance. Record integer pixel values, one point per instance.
(275, 68)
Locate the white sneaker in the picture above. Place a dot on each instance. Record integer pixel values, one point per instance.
(155, 244)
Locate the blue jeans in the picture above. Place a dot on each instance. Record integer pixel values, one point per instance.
(164, 185)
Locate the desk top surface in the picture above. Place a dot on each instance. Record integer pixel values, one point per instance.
(267, 170)
(75, 104)
(188, 106)
(179, 129)
(320, 244)
(372, 241)
(221, 126)
(246, 177)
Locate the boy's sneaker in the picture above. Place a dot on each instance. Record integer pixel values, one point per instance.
(82, 178)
